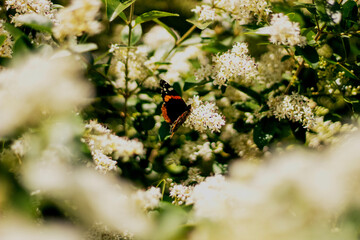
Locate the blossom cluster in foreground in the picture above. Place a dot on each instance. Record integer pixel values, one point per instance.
(204, 116)
(104, 145)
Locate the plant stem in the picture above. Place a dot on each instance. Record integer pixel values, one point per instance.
(126, 94)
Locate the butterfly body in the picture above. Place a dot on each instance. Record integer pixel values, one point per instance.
(174, 109)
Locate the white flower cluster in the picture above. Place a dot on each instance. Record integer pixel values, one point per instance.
(103, 163)
(191, 150)
(204, 116)
(234, 65)
(6, 47)
(283, 32)
(206, 151)
(271, 68)
(327, 132)
(103, 143)
(148, 199)
(78, 18)
(205, 13)
(26, 7)
(137, 65)
(242, 10)
(181, 194)
(242, 143)
(294, 107)
(57, 80)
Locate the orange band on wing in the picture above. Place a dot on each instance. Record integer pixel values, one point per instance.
(164, 113)
(168, 97)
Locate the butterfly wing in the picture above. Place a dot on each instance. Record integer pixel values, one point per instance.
(174, 106)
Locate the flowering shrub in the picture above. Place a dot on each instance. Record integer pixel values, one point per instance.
(267, 147)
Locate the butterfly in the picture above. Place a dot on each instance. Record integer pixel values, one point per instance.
(174, 109)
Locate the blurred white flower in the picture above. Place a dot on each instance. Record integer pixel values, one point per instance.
(283, 32)
(157, 36)
(6, 47)
(148, 199)
(234, 65)
(40, 86)
(271, 68)
(294, 107)
(10, 225)
(292, 196)
(180, 64)
(90, 196)
(204, 116)
(78, 18)
(137, 65)
(101, 140)
(327, 132)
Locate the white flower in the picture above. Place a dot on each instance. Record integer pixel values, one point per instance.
(24, 7)
(101, 139)
(294, 107)
(234, 65)
(148, 199)
(6, 47)
(204, 116)
(103, 163)
(137, 65)
(271, 68)
(157, 36)
(327, 132)
(205, 13)
(78, 18)
(203, 73)
(181, 194)
(283, 32)
(37, 87)
(244, 10)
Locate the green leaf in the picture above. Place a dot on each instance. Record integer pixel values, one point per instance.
(149, 16)
(164, 131)
(284, 58)
(15, 32)
(248, 91)
(3, 38)
(120, 8)
(136, 33)
(310, 7)
(349, 14)
(298, 130)
(144, 123)
(192, 82)
(200, 25)
(264, 132)
(36, 22)
(248, 106)
(308, 53)
(167, 28)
